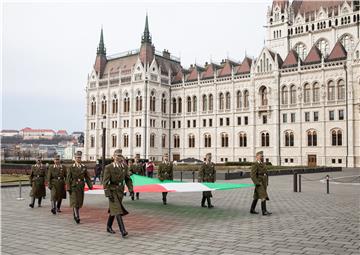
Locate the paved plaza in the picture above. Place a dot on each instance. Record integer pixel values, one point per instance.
(311, 222)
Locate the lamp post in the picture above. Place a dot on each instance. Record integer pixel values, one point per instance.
(103, 143)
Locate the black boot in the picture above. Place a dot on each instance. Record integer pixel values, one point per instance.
(137, 195)
(109, 224)
(121, 225)
(59, 205)
(76, 215)
(164, 194)
(253, 205)
(53, 207)
(32, 202)
(263, 209)
(208, 199)
(39, 201)
(203, 202)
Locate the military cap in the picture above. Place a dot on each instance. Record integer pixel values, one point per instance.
(118, 152)
(38, 157)
(78, 154)
(57, 156)
(260, 153)
(166, 154)
(208, 154)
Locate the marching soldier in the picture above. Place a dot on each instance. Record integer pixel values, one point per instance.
(37, 182)
(136, 168)
(259, 176)
(75, 183)
(207, 173)
(56, 179)
(116, 175)
(165, 172)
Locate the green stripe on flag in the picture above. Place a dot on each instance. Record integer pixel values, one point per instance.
(225, 186)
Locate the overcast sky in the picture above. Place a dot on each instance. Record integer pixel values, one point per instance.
(49, 48)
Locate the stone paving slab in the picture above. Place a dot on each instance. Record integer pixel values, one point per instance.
(310, 222)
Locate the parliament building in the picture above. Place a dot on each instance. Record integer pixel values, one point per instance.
(298, 100)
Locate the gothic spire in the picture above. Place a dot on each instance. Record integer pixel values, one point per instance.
(146, 38)
(101, 50)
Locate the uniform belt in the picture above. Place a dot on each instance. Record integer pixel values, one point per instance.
(38, 176)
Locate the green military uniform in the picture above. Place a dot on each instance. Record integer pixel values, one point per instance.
(76, 177)
(56, 179)
(75, 181)
(116, 175)
(165, 172)
(207, 173)
(37, 182)
(136, 168)
(260, 179)
(259, 176)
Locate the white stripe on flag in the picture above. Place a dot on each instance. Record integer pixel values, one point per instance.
(95, 192)
(186, 187)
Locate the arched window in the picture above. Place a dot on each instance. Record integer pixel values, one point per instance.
(265, 139)
(138, 106)
(126, 141)
(163, 141)
(204, 103)
(152, 140)
(316, 92)
(93, 107)
(341, 89)
(323, 46)
(263, 96)
(115, 104)
(176, 141)
(207, 140)
(336, 138)
(227, 101)
(331, 90)
(238, 99)
(242, 140)
(312, 138)
(163, 103)
(284, 95)
(191, 141)
(174, 105)
(211, 103)
(103, 105)
(224, 140)
(126, 103)
(138, 140)
(194, 103)
(292, 94)
(221, 101)
(301, 50)
(307, 93)
(188, 101)
(179, 105)
(347, 41)
(152, 101)
(92, 141)
(113, 141)
(246, 99)
(289, 138)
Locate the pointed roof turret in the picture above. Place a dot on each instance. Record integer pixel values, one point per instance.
(101, 50)
(146, 38)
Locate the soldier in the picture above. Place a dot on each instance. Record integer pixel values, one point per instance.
(56, 179)
(165, 172)
(75, 183)
(116, 175)
(37, 182)
(136, 168)
(207, 173)
(260, 178)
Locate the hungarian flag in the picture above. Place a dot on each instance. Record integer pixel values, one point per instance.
(145, 184)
